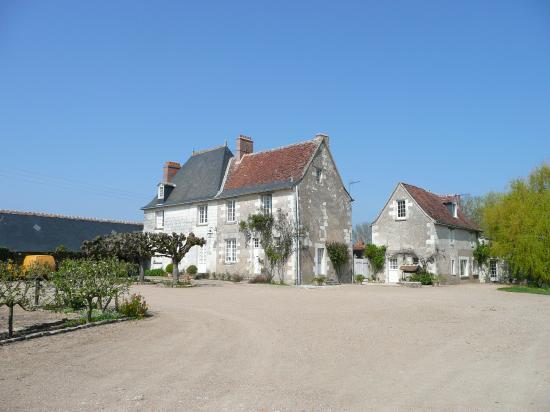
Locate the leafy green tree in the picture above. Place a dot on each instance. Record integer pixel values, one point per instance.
(37, 273)
(472, 206)
(175, 246)
(339, 255)
(14, 290)
(277, 236)
(377, 258)
(518, 224)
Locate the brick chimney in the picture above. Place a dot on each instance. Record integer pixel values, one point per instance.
(244, 145)
(170, 170)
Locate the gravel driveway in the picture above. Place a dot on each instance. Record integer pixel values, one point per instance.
(226, 346)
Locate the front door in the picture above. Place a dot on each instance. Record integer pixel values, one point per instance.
(393, 270)
(320, 255)
(201, 261)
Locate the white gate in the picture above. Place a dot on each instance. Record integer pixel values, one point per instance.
(361, 267)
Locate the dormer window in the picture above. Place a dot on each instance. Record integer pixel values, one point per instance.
(161, 192)
(452, 208)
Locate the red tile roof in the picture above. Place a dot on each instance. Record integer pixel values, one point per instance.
(434, 206)
(277, 165)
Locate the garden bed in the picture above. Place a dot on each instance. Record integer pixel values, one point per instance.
(526, 289)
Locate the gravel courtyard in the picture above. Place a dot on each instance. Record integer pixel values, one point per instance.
(224, 346)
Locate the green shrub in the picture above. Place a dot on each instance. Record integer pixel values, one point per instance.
(169, 268)
(155, 272)
(426, 278)
(136, 307)
(236, 278)
(192, 270)
(359, 278)
(259, 279)
(319, 280)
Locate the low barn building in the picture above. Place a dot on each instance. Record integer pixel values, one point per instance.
(40, 233)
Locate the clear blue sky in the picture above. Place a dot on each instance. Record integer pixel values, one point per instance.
(453, 96)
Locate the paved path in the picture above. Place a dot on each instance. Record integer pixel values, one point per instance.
(267, 348)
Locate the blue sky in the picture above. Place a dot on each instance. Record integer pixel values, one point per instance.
(95, 96)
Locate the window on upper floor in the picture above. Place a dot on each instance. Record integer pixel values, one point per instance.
(161, 192)
(452, 208)
(159, 219)
(230, 211)
(266, 204)
(401, 209)
(318, 174)
(203, 214)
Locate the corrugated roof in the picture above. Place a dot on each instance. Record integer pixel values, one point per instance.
(434, 206)
(40, 232)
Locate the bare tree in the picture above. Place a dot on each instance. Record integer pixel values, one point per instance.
(14, 290)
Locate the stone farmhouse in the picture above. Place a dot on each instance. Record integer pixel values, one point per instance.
(420, 227)
(214, 190)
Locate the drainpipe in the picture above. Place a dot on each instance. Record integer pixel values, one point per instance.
(298, 280)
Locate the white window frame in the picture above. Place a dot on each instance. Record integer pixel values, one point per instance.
(160, 194)
(231, 250)
(256, 242)
(451, 236)
(202, 214)
(404, 203)
(320, 266)
(467, 267)
(159, 216)
(453, 267)
(493, 264)
(454, 210)
(230, 213)
(266, 204)
(391, 265)
(201, 258)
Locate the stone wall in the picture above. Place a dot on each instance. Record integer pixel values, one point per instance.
(325, 215)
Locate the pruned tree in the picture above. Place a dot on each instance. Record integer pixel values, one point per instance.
(94, 282)
(277, 237)
(133, 247)
(339, 255)
(175, 246)
(37, 273)
(14, 290)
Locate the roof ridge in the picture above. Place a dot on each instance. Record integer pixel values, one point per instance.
(57, 216)
(280, 148)
(198, 152)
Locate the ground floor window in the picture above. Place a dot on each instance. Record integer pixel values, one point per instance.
(493, 270)
(464, 269)
(231, 250)
(393, 263)
(453, 267)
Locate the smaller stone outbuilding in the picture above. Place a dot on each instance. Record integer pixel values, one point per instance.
(419, 227)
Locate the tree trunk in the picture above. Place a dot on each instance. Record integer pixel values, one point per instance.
(10, 322)
(175, 272)
(89, 310)
(36, 292)
(141, 273)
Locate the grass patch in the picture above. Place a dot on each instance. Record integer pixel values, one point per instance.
(526, 289)
(97, 316)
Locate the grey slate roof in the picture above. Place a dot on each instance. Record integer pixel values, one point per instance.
(38, 232)
(200, 178)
